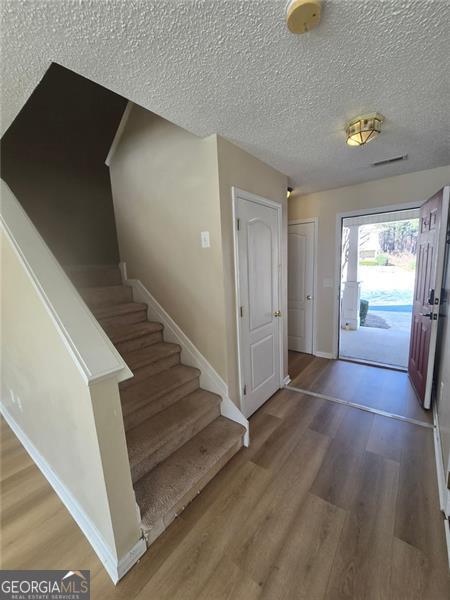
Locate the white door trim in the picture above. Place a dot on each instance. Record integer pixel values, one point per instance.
(315, 222)
(237, 193)
(337, 266)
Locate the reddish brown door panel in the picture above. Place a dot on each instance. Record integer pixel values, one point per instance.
(425, 294)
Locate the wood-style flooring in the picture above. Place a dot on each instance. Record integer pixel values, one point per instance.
(329, 502)
(375, 387)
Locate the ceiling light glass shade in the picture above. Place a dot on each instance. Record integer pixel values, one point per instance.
(363, 129)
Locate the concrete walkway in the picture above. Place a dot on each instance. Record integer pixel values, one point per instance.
(385, 346)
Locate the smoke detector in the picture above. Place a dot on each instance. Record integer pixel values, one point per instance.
(303, 15)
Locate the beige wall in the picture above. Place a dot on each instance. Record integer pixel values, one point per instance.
(240, 169)
(413, 187)
(166, 190)
(76, 429)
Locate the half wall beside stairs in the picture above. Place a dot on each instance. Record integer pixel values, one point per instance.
(60, 394)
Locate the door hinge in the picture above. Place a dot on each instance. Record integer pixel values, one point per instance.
(245, 390)
(448, 480)
(238, 224)
(241, 311)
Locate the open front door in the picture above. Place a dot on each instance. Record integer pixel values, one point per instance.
(427, 293)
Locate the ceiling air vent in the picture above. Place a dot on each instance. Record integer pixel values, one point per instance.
(389, 161)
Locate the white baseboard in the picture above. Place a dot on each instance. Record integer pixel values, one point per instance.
(190, 355)
(439, 463)
(115, 568)
(447, 538)
(444, 495)
(320, 354)
(131, 558)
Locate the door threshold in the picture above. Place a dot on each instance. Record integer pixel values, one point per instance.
(376, 411)
(372, 363)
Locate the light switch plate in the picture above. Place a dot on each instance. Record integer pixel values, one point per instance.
(204, 236)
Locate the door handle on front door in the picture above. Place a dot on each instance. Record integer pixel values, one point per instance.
(309, 297)
(277, 313)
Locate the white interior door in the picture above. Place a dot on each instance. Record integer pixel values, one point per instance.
(300, 286)
(258, 257)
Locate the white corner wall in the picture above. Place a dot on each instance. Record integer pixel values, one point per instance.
(240, 169)
(442, 374)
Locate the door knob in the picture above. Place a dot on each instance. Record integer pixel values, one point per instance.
(309, 297)
(277, 313)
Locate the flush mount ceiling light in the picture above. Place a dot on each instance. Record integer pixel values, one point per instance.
(303, 15)
(363, 129)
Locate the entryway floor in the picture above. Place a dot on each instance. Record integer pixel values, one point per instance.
(386, 346)
(374, 387)
(329, 502)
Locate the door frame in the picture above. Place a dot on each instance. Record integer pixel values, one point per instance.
(440, 263)
(337, 268)
(236, 194)
(315, 222)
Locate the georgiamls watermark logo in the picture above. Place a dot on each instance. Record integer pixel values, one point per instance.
(44, 585)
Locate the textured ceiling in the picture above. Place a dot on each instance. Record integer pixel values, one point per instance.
(232, 67)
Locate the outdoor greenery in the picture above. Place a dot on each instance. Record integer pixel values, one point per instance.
(399, 237)
(363, 310)
(397, 241)
(380, 261)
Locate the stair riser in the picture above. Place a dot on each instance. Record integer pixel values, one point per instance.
(139, 342)
(159, 527)
(140, 394)
(152, 369)
(96, 277)
(151, 406)
(128, 319)
(175, 441)
(110, 295)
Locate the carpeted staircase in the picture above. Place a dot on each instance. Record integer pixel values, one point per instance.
(177, 441)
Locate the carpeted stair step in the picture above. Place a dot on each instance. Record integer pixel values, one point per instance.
(121, 314)
(169, 487)
(177, 441)
(155, 439)
(90, 276)
(110, 294)
(127, 338)
(150, 396)
(148, 361)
